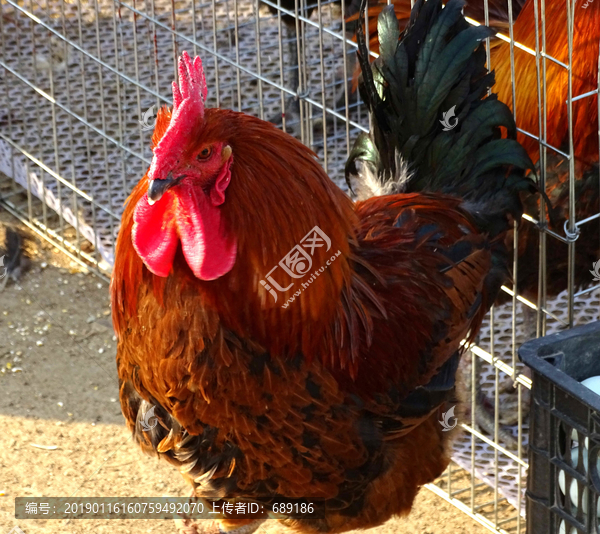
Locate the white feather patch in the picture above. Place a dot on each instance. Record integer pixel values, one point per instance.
(368, 184)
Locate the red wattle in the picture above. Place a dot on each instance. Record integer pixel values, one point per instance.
(154, 233)
(207, 248)
(187, 215)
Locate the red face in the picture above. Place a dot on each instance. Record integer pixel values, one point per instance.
(206, 167)
(187, 181)
(185, 207)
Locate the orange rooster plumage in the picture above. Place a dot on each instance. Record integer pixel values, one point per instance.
(296, 347)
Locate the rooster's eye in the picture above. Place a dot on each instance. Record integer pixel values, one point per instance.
(205, 153)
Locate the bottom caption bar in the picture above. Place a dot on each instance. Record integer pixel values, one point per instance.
(133, 508)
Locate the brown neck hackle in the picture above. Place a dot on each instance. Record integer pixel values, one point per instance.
(278, 193)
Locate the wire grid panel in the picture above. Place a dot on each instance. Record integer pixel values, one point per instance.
(80, 87)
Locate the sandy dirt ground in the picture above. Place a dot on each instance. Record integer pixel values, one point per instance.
(58, 389)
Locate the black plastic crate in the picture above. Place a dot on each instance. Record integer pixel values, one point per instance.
(564, 416)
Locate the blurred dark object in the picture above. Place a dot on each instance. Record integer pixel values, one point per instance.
(13, 258)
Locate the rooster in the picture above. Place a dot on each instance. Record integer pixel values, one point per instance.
(586, 36)
(296, 347)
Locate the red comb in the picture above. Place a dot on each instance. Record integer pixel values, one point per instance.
(188, 108)
(192, 84)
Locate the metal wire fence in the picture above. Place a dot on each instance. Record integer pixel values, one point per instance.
(80, 85)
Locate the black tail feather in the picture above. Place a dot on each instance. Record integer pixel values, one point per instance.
(428, 93)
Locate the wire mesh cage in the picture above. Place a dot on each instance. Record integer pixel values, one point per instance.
(80, 86)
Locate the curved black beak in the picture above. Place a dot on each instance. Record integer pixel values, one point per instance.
(157, 188)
